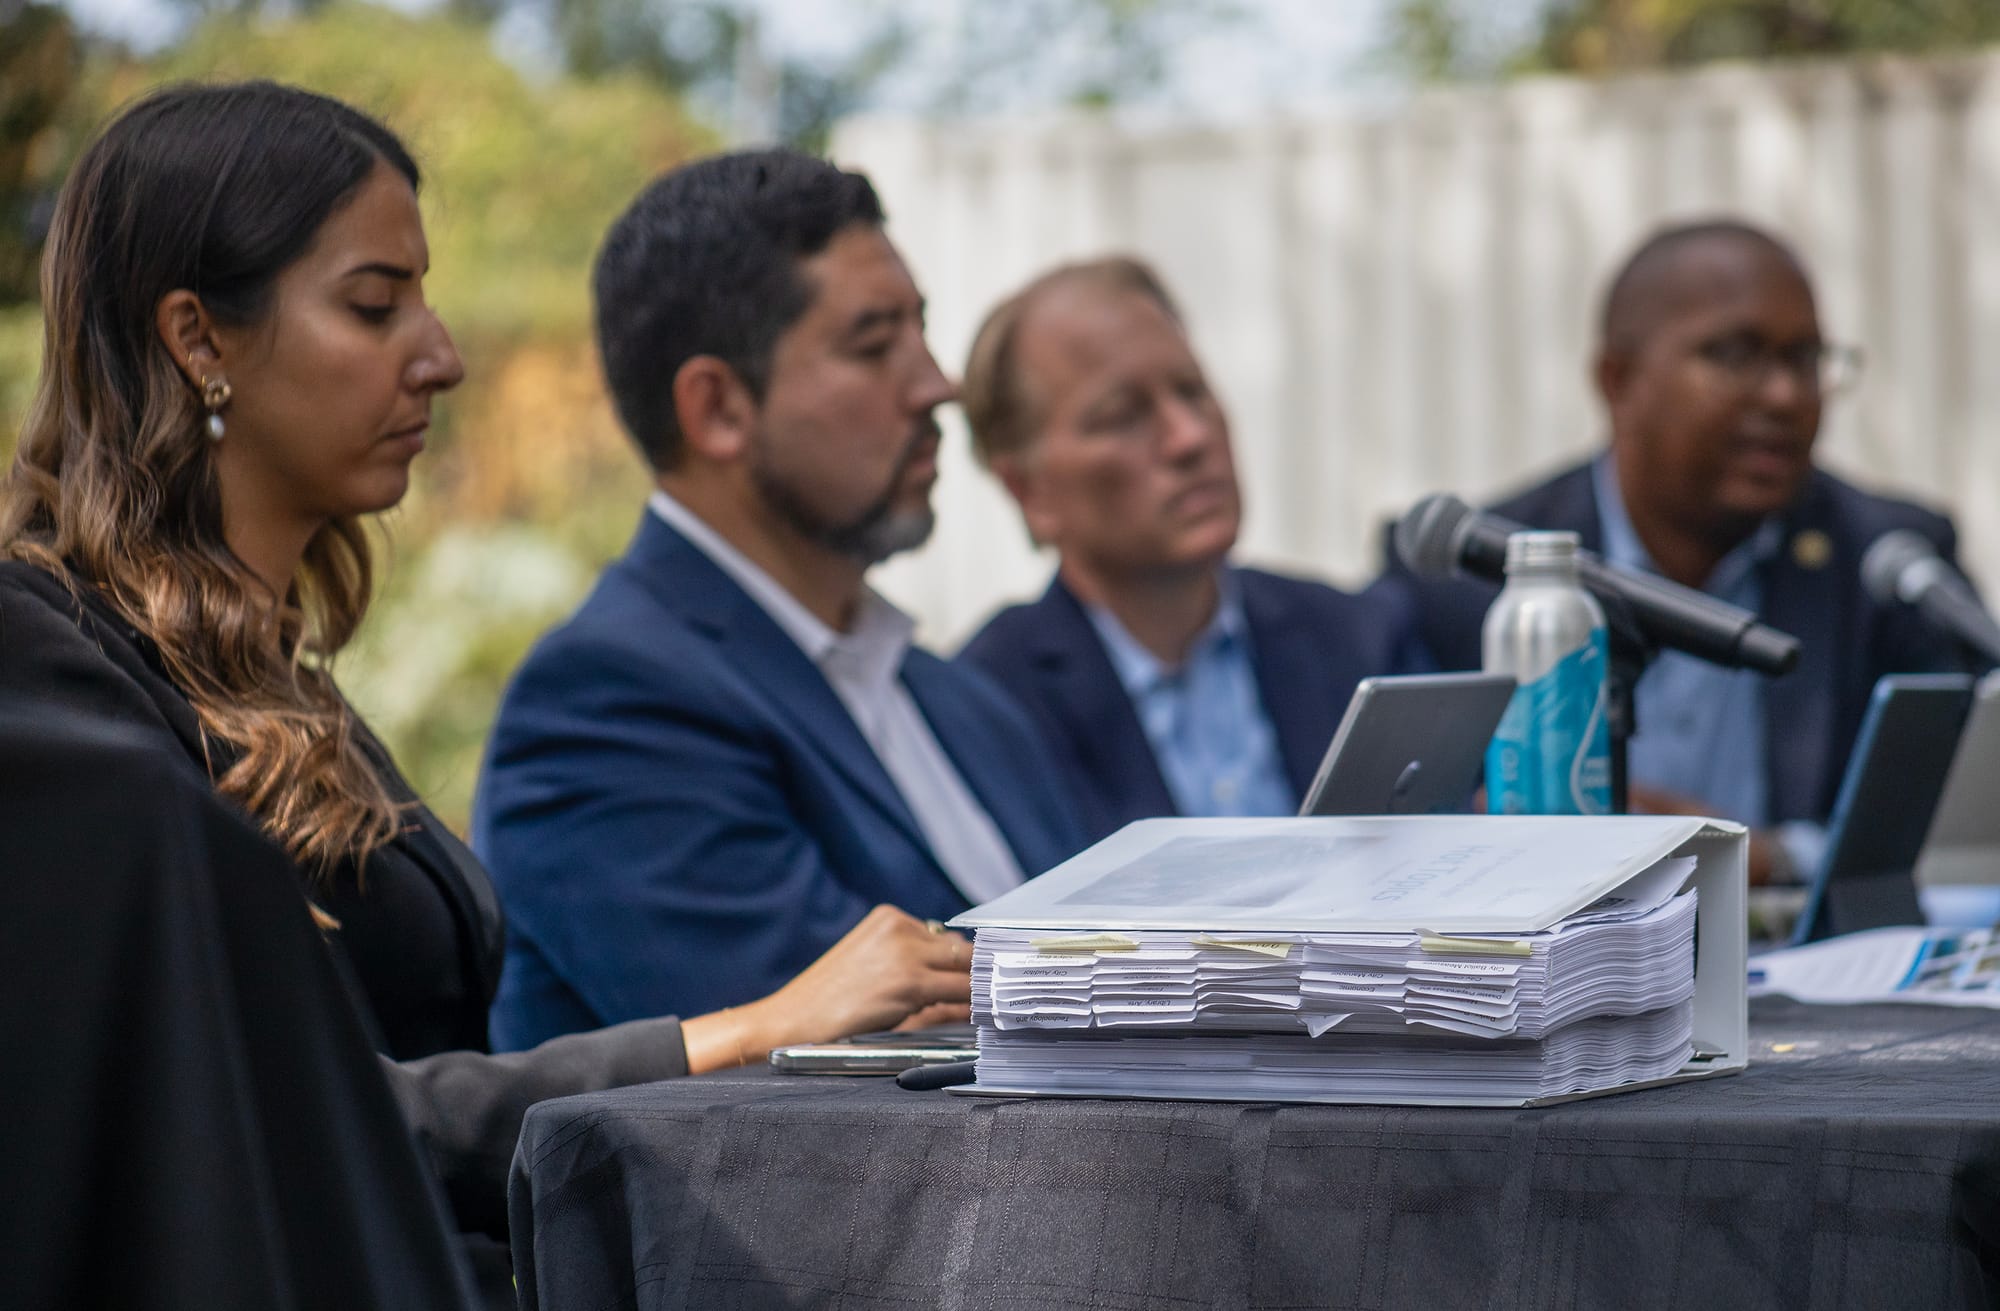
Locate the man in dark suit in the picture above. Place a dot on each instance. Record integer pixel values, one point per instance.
(1713, 372)
(731, 751)
(1166, 681)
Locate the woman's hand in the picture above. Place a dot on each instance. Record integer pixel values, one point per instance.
(890, 970)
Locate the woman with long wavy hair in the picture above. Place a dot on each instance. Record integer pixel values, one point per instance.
(239, 365)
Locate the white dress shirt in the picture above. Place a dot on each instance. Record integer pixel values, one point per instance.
(863, 666)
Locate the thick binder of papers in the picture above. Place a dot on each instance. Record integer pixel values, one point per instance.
(1464, 960)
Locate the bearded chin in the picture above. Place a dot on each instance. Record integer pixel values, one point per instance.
(887, 535)
(870, 537)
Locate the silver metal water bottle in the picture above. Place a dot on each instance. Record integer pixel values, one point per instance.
(1552, 752)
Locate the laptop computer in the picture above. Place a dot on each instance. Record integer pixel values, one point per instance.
(1410, 744)
(1888, 794)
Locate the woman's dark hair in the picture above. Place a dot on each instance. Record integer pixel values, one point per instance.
(215, 190)
(706, 262)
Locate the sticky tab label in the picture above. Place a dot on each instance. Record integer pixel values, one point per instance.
(1085, 942)
(1275, 950)
(1476, 946)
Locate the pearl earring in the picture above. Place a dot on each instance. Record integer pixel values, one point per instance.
(214, 395)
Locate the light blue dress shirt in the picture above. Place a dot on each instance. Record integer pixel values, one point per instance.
(1205, 719)
(1701, 727)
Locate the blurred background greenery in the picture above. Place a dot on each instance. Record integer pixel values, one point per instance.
(537, 120)
(528, 484)
(532, 139)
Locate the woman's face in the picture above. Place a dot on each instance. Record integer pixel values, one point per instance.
(331, 391)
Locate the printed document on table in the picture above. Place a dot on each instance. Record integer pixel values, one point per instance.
(1939, 967)
(1463, 874)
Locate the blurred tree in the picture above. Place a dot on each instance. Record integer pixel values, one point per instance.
(523, 176)
(529, 483)
(48, 98)
(20, 360)
(1089, 52)
(1610, 35)
(39, 60)
(1095, 53)
(713, 52)
(1442, 38)
(691, 48)
(1427, 38)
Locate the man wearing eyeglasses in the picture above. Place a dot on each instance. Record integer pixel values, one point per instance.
(1713, 373)
(1166, 680)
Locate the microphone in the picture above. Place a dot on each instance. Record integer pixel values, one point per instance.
(1442, 535)
(1903, 566)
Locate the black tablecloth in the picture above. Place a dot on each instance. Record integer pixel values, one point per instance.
(1855, 1164)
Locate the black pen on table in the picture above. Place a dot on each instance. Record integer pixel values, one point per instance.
(942, 1075)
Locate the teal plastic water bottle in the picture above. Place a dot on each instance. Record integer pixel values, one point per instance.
(1551, 754)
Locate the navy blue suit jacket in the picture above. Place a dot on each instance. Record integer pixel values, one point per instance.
(1310, 645)
(680, 814)
(1847, 640)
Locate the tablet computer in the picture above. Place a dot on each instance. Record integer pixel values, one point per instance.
(1866, 880)
(1412, 744)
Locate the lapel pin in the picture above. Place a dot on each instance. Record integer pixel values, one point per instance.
(1812, 549)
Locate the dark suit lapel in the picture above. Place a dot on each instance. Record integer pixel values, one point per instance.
(1110, 745)
(1813, 606)
(1572, 504)
(688, 584)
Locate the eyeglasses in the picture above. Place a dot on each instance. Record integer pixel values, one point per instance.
(1747, 360)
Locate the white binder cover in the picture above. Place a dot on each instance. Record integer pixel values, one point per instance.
(1456, 874)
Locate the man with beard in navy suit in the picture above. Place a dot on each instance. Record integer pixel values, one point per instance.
(732, 750)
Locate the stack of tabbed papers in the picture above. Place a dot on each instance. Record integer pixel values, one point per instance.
(1283, 978)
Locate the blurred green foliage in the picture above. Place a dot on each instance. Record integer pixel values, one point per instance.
(38, 68)
(528, 486)
(522, 178)
(1111, 52)
(1457, 38)
(20, 358)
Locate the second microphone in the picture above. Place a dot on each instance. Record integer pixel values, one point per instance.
(1442, 535)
